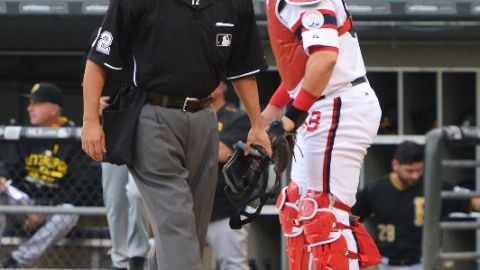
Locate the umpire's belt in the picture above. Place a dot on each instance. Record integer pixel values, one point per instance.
(403, 261)
(186, 104)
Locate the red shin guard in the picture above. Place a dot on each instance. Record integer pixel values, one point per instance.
(326, 243)
(287, 204)
(331, 256)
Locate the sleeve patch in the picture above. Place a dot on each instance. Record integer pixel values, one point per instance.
(312, 20)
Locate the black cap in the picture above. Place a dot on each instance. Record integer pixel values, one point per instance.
(46, 92)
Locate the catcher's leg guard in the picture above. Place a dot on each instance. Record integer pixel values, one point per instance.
(326, 243)
(287, 204)
(330, 256)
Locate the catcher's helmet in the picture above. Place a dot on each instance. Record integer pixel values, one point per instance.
(250, 181)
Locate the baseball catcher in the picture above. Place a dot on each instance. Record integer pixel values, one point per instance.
(254, 178)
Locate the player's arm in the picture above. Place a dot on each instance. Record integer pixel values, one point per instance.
(93, 138)
(236, 130)
(475, 204)
(246, 89)
(318, 71)
(319, 36)
(278, 101)
(103, 104)
(3, 184)
(224, 152)
(362, 207)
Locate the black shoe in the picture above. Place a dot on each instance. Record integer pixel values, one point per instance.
(9, 263)
(136, 263)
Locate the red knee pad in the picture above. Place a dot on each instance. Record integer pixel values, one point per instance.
(317, 222)
(323, 233)
(331, 256)
(318, 227)
(287, 204)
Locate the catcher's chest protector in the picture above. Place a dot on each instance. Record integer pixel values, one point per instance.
(287, 48)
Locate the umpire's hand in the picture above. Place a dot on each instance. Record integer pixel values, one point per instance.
(93, 139)
(103, 104)
(258, 135)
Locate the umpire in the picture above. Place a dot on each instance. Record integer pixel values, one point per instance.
(181, 49)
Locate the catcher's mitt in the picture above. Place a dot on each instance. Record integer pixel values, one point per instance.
(282, 146)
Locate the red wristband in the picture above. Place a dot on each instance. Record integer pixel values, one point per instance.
(280, 98)
(304, 100)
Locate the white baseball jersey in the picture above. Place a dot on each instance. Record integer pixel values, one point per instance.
(324, 25)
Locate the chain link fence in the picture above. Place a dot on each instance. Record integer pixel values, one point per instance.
(50, 201)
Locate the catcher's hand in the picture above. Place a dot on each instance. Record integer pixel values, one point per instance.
(282, 145)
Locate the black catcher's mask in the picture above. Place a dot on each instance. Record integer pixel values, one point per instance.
(251, 181)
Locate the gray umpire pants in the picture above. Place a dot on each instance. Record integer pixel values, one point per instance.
(175, 167)
(126, 217)
(56, 227)
(229, 246)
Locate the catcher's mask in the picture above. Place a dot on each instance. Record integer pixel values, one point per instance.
(251, 181)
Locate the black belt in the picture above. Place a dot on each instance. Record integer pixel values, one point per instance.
(355, 82)
(359, 80)
(403, 261)
(186, 104)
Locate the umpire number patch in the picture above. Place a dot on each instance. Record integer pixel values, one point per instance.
(104, 42)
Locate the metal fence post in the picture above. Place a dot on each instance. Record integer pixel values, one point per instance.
(431, 244)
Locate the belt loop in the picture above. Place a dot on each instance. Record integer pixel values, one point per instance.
(184, 108)
(332, 200)
(185, 103)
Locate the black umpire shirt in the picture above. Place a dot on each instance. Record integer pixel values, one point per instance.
(180, 47)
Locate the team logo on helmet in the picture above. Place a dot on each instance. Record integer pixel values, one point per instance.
(35, 88)
(312, 20)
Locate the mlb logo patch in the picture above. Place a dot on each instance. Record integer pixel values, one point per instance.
(224, 40)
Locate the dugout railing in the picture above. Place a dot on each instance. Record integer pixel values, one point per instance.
(87, 245)
(437, 142)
